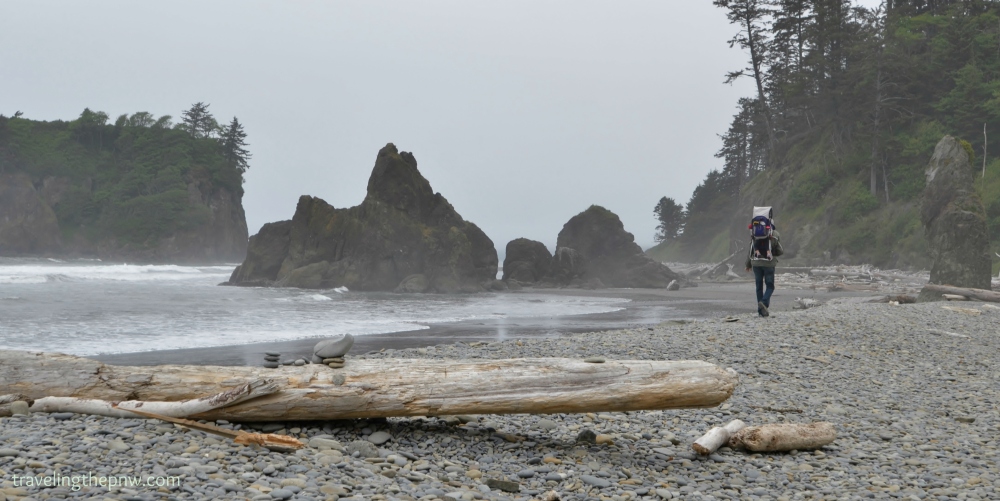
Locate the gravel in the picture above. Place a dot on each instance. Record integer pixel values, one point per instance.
(916, 414)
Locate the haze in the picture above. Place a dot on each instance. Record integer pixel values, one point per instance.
(522, 114)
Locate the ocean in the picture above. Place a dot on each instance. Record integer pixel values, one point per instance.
(90, 307)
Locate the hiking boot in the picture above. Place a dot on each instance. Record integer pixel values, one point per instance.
(762, 309)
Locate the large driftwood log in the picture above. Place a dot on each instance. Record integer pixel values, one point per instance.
(384, 388)
(980, 294)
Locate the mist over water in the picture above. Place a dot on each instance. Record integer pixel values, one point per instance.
(88, 307)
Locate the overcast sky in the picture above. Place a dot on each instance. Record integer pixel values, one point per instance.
(522, 114)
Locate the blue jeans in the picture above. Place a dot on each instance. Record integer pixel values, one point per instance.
(764, 275)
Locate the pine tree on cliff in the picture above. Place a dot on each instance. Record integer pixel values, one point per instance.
(198, 121)
(671, 217)
(234, 146)
(751, 16)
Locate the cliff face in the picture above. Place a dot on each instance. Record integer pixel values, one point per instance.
(403, 237)
(124, 192)
(30, 226)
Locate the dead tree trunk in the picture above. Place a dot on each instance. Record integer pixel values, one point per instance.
(383, 388)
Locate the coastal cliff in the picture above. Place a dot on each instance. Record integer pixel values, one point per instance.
(402, 237)
(129, 191)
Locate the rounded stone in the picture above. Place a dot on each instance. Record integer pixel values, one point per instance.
(379, 437)
(282, 494)
(271, 365)
(595, 481)
(587, 436)
(334, 347)
(19, 408)
(300, 362)
(334, 360)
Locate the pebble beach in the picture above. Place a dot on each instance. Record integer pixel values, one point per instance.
(913, 390)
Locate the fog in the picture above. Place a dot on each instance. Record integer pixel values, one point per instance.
(522, 114)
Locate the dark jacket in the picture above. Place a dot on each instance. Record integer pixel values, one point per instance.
(776, 251)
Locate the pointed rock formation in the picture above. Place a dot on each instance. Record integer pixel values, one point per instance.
(594, 248)
(954, 221)
(402, 237)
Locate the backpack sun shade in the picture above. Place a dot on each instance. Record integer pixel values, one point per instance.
(761, 228)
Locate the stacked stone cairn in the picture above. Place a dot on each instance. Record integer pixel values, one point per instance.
(332, 351)
(271, 360)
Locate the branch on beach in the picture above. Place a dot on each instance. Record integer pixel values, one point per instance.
(382, 388)
(278, 443)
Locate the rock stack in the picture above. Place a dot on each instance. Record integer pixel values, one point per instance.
(332, 351)
(403, 237)
(955, 221)
(272, 360)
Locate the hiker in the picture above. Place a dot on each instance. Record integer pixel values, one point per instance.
(765, 247)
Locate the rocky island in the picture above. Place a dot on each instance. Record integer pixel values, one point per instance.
(403, 237)
(593, 250)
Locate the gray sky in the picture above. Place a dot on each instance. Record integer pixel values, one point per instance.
(522, 114)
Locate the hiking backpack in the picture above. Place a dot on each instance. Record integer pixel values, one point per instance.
(761, 228)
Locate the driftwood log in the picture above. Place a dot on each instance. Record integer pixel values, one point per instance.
(980, 294)
(383, 388)
(716, 437)
(784, 437)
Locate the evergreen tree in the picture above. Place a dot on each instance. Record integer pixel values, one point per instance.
(234, 146)
(198, 121)
(671, 217)
(752, 17)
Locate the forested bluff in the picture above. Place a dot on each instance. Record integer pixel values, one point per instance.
(849, 103)
(138, 189)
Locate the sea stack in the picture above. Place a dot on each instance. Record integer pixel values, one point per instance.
(593, 248)
(954, 221)
(403, 236)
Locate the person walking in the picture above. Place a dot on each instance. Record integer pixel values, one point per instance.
(763, 257)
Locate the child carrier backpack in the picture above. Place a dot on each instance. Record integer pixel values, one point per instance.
(761, 228)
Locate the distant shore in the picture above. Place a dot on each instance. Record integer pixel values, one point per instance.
(646, 308)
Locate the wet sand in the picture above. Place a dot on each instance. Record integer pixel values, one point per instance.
(647, 307)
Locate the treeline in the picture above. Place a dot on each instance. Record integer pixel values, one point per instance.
(848, 104)
(130, 179)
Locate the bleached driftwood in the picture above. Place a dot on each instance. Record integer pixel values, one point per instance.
(717, 268)
(716, 437)
(384, 388)
(784, 437)
(980, 294)
(182, 408)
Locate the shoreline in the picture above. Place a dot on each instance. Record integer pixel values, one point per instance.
(911, 390)
(646, 308)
